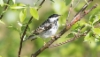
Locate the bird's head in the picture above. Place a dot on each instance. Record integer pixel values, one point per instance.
(54, 17)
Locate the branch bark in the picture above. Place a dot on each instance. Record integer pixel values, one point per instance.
(21, 41)
(77, 17)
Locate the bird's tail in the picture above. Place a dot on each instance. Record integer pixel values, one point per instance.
(32, 37)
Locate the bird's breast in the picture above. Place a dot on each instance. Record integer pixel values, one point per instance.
(52, 31)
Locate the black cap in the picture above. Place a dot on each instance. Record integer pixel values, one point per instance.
(54, 15)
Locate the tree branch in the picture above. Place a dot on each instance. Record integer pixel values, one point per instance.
(21, 41)
(76, 36)
(5, 8)
(77, 17)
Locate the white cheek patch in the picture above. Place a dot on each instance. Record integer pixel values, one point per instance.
(53, 19)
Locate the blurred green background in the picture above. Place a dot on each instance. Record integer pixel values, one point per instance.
(11, 27)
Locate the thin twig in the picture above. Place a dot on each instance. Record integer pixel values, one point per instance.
(77, 18)
(85, 6)
(70, 9)
(21, 41)
(71, 39)
(77, 3)
(5, 8)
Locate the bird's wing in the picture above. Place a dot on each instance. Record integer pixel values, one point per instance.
(43, 27)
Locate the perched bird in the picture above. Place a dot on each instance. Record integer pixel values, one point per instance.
(47, 28)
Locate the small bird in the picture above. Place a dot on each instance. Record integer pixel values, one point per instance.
(47, 28)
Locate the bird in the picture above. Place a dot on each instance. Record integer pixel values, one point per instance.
(47, 29)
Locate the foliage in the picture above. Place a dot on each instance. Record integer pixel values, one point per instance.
(16, 17)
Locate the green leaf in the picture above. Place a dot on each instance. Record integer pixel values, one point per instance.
(34, 13)
(22, 15)
(13, 28)
(93, 19)
(1, 2)
(68, 2)
(98, 15)
(52, 0)
(21, 4)
(2, 22)
(25, 11)
(70, 35)
(89, 37)
(96, 31)
(17, 7)
(75, 26)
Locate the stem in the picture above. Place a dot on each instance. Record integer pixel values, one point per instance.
(21, 41)
(5, 8)
(77, 17)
